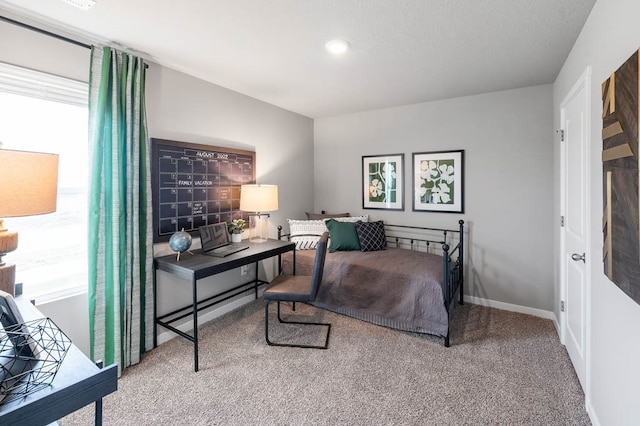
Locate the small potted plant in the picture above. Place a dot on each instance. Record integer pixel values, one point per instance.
(235, 228)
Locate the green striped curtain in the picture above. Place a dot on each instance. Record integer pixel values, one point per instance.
(120, 221)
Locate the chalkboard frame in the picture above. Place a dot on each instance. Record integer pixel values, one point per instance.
(205, 152)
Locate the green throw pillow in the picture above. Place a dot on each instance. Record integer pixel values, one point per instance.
(343, 236)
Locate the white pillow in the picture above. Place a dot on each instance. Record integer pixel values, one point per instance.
(306, 233)
(364, 218)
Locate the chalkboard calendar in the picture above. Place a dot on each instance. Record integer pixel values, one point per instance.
(195, 185)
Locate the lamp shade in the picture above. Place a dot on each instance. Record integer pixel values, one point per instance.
(258, 198)
(28, 183)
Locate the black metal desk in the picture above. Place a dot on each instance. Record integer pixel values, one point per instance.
(200, 266)
(79, 382)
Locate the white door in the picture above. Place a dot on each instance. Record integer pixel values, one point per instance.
(575, 223)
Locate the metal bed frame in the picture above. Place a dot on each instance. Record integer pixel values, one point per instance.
(415, 238)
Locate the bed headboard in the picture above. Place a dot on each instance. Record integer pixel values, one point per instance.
(432, 240)
(423, 238)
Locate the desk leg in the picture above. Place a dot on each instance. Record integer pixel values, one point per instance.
(195, 325)
(98, 413)
(294, 272)
(155, 307)
(255, 283)
(98, 420)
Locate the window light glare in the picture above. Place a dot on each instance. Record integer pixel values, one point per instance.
(81, 4)
(337, 46)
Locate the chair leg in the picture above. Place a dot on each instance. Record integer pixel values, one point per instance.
(266, 330)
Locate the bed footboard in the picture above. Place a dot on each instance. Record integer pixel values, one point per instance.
(453, 276)
(452, 258)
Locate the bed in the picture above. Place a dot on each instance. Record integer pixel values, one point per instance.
(411, 282)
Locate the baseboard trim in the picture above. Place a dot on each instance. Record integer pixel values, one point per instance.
(556, 324)
(592, 413)
(513, 308)
(166, 335)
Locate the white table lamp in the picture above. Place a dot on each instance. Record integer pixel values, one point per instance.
(258, 199)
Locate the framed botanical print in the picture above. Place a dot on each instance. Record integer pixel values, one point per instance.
(438, 181)
(383, 182)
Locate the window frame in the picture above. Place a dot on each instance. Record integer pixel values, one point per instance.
(23, 81)
(37, 84)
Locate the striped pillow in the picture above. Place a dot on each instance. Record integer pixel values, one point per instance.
(306, 233)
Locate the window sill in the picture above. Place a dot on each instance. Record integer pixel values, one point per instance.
(56, 295)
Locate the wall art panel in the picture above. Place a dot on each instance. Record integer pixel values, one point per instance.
(621, 224)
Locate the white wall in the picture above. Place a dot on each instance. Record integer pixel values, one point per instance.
(507, 138)
(608, 39)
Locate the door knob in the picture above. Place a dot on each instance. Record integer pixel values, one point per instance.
(577, 257)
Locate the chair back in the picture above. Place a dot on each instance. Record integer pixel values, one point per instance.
(318, 265)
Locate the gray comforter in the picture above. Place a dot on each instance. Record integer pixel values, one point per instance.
(395, 288)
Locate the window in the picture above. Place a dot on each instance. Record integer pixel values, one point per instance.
(46, 113)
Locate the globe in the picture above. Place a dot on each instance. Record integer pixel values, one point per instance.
(180, 241)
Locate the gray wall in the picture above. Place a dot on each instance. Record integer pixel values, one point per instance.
(30, 49)
(507, 138)
(186, 109)
(183, 108)
(608, 39)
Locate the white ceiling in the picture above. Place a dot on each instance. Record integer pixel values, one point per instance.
(402, 51)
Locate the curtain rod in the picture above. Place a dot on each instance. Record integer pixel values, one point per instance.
(45, 32)
(49, 33)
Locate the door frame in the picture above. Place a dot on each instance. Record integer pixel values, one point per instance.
(584, 82)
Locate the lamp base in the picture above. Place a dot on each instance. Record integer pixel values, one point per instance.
(8, 241)
(8, 278)
(258, 227)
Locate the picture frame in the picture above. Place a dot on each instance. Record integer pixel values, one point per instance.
(438, 181)
(383, 182)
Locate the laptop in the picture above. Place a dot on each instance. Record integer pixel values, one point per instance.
(216, 242)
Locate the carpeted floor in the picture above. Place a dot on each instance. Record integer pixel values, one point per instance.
(502, 368)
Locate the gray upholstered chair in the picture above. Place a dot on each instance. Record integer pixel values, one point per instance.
(297, 288)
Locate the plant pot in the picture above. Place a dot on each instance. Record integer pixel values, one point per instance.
(236, 238)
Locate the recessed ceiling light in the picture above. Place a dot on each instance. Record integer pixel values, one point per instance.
(337, 46)
(81, 4)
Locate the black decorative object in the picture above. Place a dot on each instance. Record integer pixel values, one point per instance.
(30, 356)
